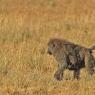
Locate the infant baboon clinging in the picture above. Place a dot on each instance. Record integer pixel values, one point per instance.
(71, 56)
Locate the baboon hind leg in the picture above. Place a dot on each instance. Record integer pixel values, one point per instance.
(89, 61)
(77, 74)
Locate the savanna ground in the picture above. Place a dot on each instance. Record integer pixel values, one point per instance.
(25, 28)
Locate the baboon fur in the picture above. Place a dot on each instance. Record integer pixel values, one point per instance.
(71, 56)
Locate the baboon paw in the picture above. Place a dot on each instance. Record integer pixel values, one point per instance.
(78, 78)
(58, 77)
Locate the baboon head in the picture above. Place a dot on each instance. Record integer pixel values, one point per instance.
(53, 46)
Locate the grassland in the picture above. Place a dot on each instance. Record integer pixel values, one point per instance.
(25, 28)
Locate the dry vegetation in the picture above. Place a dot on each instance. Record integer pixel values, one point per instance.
(25, 28)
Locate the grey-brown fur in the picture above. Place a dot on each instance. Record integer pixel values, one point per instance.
(71, 56)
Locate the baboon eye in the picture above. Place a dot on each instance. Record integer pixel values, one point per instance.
(53, 45)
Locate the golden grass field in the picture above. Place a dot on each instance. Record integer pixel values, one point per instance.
(25, 29)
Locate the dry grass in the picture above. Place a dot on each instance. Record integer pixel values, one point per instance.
(25, 28)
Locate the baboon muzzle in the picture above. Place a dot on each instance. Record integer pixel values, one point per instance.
(49, 52)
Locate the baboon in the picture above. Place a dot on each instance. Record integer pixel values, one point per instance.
(71, 56)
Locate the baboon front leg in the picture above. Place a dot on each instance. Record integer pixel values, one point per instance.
(77, 74)
(58, 74)
(60, 71)
(61, 67)
(90, 69)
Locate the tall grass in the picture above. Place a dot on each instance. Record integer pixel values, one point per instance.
(25, 28)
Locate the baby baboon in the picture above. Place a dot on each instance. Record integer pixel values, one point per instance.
(70, 56)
